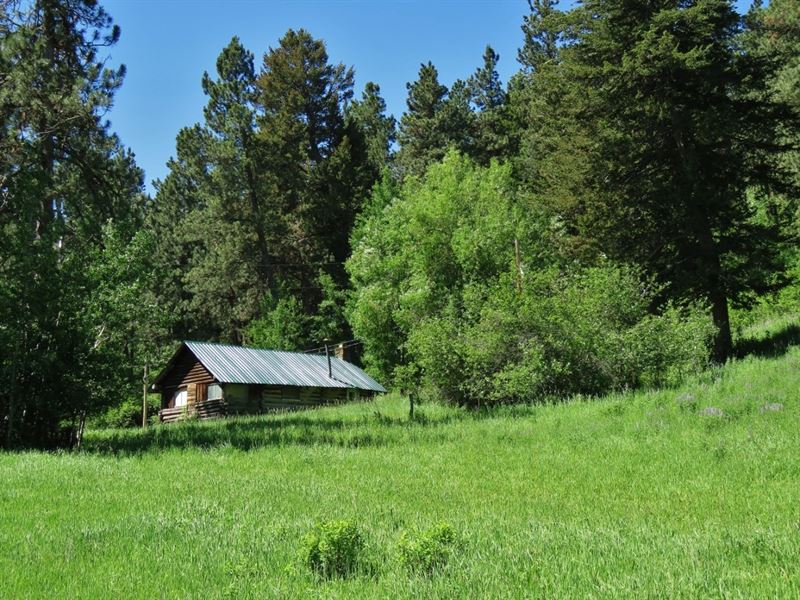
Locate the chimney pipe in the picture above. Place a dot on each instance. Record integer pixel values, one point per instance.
(328, 356)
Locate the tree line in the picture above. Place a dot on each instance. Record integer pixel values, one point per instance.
(587, 226)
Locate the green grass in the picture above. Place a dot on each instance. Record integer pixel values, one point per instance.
(635, 495)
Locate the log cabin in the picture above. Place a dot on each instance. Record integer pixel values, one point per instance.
(207, 380)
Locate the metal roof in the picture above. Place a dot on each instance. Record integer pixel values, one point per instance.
(236, 364)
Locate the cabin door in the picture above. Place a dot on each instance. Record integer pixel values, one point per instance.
(181, 397)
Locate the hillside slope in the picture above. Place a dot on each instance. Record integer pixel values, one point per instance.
(688, 492)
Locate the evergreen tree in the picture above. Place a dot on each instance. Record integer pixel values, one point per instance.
(216, 232)
(423, 137)
(491, 135)
(774, 36)
(457, 119)
(376, 129)
(237, 227)
(485, 86)
(63, 176)
(648, 136)
(545, 29)
(318, 167)
(541, 34)
(470, 117)
(302, 126)
(264, 193)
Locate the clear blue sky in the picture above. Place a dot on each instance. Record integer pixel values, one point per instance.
(167, 44)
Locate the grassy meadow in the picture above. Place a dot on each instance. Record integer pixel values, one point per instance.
(691, 492)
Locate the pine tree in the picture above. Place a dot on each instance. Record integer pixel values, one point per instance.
(63, 176)
(217, 233)
(264, 193)
(316, 165)
(237, 227)
(376, 129)
(423, 137)
(491, 124)
(774, 37)
(648, 137)
(541, 34)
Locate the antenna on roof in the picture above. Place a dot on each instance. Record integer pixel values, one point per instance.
(328, 356)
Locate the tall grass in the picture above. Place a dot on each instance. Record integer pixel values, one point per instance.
(635, 495)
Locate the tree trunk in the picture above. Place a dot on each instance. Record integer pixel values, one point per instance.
(700, 223)
(12, 407)
(258, 223)
(723, 341)
(81, 428)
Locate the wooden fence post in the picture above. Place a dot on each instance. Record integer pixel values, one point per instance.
(144, 396)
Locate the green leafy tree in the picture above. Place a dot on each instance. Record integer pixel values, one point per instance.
(62, 177)
(459, 294)
(129, 327)
(647, 136)
(282, 326)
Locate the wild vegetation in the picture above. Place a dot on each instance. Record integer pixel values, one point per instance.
(585, 280)
(686, 492)
(589, 226)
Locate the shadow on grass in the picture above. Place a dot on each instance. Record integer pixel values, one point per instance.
(771, 346)
(250, 433)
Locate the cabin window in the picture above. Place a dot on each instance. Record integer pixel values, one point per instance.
(180, 397)
(214, 391)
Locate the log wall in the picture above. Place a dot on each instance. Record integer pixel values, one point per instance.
(187, 372)
(207, 409)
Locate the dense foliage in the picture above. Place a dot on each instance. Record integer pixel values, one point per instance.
(656, 137)
(461, 295)
(74, 279)
(586, 226)
(256, 210)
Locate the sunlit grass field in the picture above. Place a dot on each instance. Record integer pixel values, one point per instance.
(647, 494)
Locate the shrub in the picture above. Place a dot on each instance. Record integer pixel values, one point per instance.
(128, 413)
(332, 549)
(462, 292)
(427, 551)
(586, 332)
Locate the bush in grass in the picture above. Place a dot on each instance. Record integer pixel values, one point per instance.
(427, 551)
(128, 413)
(588, 332)
(332, 549)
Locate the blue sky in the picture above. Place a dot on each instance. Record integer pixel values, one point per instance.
(167, 44)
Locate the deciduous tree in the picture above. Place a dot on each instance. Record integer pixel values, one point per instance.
(63, 176)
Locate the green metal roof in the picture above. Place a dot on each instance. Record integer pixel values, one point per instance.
(237, 364)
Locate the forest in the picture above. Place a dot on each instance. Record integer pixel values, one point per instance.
(604, 220)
